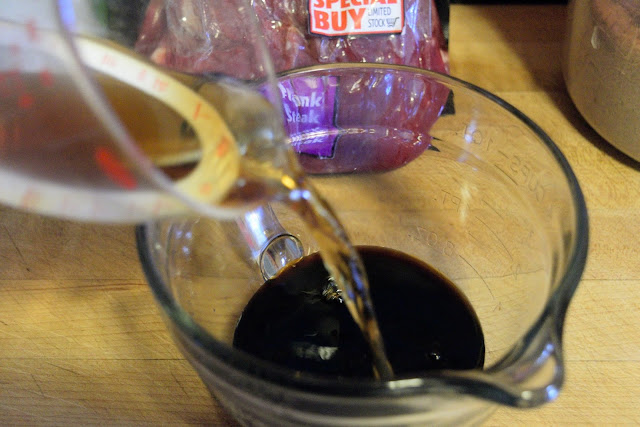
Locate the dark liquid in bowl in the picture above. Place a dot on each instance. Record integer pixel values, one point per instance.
(295, 320)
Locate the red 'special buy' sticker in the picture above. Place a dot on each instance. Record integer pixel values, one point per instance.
(355, 17)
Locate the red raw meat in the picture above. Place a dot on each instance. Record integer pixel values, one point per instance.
(193, 36)
(191, 30)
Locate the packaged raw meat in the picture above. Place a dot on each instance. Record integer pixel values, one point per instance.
(345, 120)
(190, 35)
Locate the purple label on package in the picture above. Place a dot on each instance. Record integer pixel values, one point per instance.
(309, 105)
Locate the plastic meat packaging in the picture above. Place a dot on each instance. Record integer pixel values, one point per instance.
(190, 35)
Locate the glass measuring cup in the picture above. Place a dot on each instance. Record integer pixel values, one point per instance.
(601, 63)
(482, 195)
(78, 105)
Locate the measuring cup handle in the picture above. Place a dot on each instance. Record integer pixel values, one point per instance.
(531, 374)
(269, 244)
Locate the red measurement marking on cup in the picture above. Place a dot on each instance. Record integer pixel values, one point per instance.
(223, 147)
(114, 169)
(198, 114)
(206, 188)
(160, 85)
(32, 30)
(25, 101)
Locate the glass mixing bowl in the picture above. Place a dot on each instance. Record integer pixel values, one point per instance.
(415, 161)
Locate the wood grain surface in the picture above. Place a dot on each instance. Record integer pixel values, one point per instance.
(82, 342)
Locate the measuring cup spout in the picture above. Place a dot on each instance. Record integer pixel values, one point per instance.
(531, 374)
